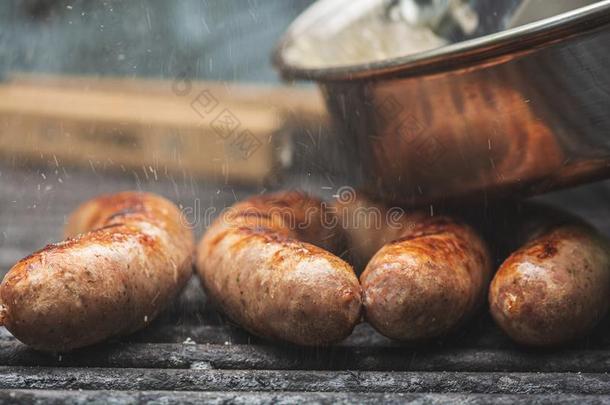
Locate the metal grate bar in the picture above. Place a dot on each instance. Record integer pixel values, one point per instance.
(81, 397)
(239, 357)
(315, 381)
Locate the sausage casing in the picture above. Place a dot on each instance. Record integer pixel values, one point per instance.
(426, 281)
(556, 286)
(257, 263)
(127, 256)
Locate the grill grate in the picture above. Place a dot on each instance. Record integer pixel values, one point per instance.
(192, 354)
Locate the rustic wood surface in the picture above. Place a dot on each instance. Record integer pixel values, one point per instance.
(193, 354)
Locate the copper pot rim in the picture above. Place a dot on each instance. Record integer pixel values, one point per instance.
(511, 42)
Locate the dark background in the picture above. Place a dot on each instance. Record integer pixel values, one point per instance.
(213, 40)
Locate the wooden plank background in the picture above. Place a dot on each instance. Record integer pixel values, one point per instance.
(171, 126)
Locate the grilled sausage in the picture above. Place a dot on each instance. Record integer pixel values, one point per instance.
(427, 280)
(259, 264)
(556, 286)
(368, 225)
(127, 256)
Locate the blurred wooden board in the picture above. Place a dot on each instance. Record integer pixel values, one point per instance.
(210, 130)
(305, 101)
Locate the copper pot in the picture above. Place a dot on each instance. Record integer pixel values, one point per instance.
(516, 112)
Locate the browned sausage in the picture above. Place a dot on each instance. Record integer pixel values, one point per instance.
(258, 263)
(425, 282)
(129, 257)
(556, 287)
(369, 225)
